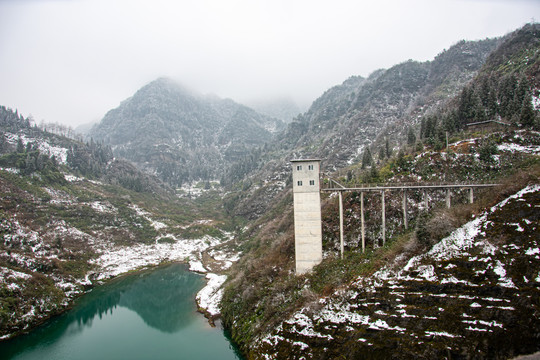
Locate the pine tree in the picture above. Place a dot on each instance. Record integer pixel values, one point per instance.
(479, 111)
(506, 96)
(20, 146)
(470, 107)
(484, 91)
(527, 114)
(431, 125)
(382, 153)
(30, 164)
(464, 111)
(374, 174)
(411, 137)
(367, 160)
(492, 107)
(422, 128)
(449, 122)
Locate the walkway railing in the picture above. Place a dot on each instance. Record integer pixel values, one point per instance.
(331, 185)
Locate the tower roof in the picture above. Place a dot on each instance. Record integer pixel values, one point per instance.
(304, 160)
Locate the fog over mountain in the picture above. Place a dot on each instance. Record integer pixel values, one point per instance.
(72, 61)
(425, 273)
(180, 135)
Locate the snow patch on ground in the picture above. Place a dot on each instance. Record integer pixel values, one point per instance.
(7, 274)
(103, 207)
(197, 266)
(10, 170)
(116, 260)
(157, 225)
(196, 189)
(342, 308)
(209, 298)
(72, 178)
(59, 153)
(513, 148)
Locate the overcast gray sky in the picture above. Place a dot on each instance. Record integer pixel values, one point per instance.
(70, 61)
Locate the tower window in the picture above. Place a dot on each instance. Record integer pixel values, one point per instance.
(299, 167)
(311, 182)
(299, 183)
(310, 167)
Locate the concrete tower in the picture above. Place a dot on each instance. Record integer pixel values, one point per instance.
(307, 214)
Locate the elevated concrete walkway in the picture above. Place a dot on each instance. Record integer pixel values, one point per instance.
(334, 186)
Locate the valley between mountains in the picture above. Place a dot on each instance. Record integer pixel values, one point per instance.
(171, 175)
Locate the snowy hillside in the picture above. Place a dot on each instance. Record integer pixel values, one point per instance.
(48, 262)
(462, 297)
(72, 217)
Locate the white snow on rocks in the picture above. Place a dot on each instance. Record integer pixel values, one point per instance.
(441, 333)
(197, 266)
(513, 148)
(10, 170)
(72, 178)
(503, 280)
(210, 296)
(7, 274)
(103, 207)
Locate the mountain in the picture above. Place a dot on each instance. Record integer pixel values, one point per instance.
(182, 136)
(360, 114)
(85, 128)
(348, 118)
(457, 283)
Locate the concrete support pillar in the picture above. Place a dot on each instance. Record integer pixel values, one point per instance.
(341, 245)
(448, 198)
(362, 222)
(383, 219)
(405, 223)
(471, 195)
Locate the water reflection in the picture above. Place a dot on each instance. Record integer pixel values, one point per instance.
(163, 299)
(155, 296)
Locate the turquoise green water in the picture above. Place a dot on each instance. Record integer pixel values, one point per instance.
(150, 315)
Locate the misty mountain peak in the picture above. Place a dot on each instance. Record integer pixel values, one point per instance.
(181, 135)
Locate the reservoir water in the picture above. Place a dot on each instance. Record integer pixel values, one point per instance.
(148, 315)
